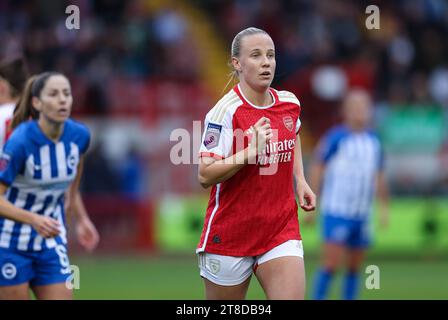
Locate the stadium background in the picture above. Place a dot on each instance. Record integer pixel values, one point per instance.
(142, 68)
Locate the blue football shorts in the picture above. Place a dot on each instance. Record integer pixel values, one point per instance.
(350, 233)
(48, 266)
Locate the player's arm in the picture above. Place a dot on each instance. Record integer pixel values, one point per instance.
(12, 161)
(307, 198)
(74, 203)
(87, 234)
(212, 171)
(383, 197)
(45, 226)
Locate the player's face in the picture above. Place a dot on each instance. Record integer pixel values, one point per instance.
(358, 111)
(55, 101)
(256, 63)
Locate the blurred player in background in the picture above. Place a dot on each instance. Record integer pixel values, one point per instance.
(13, 76)
(41, 160)
(251, 223)
(347, 169)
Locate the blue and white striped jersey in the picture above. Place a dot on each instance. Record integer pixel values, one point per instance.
(352, 161)
(38, 171)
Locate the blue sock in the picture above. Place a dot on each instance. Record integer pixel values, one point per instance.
(321, 284)
(351, 286)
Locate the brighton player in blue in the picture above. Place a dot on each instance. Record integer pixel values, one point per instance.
(348, 171)
(40, 169)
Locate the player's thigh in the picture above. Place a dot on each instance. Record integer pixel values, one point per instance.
(56, 291)
(336, 235)
(215, 291)
(52, 273)
(283, 278)
(281, 271)
(16, 270)
(225, 277)
(15, 292)
(333, 253)
(359, 242)
(355, 258)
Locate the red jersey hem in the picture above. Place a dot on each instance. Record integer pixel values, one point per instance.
(240, 254)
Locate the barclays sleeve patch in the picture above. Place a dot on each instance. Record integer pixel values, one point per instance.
(212, 135)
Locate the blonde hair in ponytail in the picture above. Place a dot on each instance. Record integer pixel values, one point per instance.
(233, 78)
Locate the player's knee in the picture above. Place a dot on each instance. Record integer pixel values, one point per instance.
(331, 264)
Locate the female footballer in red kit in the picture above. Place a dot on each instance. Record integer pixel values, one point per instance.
(251, 156)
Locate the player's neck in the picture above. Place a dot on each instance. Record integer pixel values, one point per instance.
(7, 100)
(51, 130)
(257, 98)
(356, 127)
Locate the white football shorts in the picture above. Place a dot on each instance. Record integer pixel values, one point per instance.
(231, 271)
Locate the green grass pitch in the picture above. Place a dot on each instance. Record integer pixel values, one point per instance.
(178, 278)
(411, 255)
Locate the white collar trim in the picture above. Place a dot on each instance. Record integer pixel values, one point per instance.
(252, 105)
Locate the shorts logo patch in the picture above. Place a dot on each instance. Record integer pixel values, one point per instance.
(214, 265)
(212, 135)
(9, 271)
(288, 122)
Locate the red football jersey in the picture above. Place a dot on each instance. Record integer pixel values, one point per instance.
(255, 210)
(6, 113)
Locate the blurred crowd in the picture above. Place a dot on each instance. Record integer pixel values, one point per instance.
(116, 39)
(405, 60)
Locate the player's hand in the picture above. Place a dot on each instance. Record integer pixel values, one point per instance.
(87, 234)
(261, 134)
(47, 227)
(307, 198)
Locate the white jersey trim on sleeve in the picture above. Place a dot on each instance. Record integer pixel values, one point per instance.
(230, 100)
(286, 96)
(220, 120)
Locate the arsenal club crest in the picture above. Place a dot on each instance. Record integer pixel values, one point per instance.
(288, 122)
(215, 266)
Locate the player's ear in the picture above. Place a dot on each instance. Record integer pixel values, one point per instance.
(36, 103)
(236, 64)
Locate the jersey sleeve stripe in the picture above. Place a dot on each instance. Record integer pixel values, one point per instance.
(229, 98)
(221, 103)
(295, 101)
(289, 98)
(224, 109)
(211, 155)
